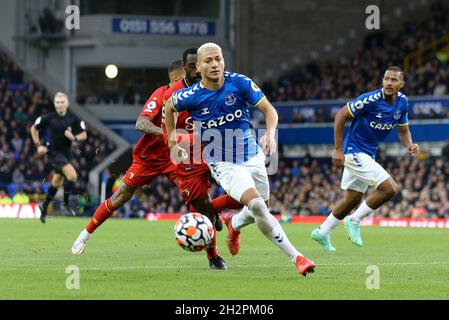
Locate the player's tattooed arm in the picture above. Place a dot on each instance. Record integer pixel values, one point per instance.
(144, 124)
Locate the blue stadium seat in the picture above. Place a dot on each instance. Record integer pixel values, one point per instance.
(11, 189)
(45, 187)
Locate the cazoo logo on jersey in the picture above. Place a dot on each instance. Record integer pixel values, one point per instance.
(382, 126)
(222, 120)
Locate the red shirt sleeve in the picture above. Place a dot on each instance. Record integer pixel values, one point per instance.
(153, 107)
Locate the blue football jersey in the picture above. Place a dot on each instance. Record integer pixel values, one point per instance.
(374, 118)
(222, 116)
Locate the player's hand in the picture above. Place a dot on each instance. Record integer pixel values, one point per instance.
(178, 154)
(338, 158)
(69, 135)
(414, 150)
(268, 144)
(41, 150)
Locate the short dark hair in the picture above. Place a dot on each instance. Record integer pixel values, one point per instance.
(396, 69)
(175, 65)
(188, 51)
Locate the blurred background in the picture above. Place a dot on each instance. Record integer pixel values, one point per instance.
(309, 58)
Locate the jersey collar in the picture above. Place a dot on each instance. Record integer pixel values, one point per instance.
(186, 82)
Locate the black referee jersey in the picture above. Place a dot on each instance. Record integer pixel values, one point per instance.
(57, 125)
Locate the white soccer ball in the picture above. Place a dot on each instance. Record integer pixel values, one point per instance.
(194, 232)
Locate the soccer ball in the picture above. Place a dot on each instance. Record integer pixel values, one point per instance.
(194, 232)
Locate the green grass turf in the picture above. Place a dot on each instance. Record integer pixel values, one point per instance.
(136, 259)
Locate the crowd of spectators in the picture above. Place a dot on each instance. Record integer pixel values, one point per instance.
(311, 186)
(21, 168)
(305, 186)
(349, 77)
(362, 72)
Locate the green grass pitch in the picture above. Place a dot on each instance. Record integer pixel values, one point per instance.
(137, 259)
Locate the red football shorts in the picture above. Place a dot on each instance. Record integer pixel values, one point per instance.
(194, 187)
(141, 173)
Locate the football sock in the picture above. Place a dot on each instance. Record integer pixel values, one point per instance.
(50, 195)
(271, 228)
(362, 211)
(84, 236)
(103, 212)
(68, 188)
(211, 250)
(225, 202)
(328, 225)
(242, 219)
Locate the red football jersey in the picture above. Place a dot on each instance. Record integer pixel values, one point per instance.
(184, 121)
(153, 147)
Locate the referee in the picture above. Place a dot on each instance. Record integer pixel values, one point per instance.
(64, 128)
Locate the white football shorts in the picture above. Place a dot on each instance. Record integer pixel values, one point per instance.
(361, 172)
(235, 179)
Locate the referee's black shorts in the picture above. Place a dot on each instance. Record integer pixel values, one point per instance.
(58, 160)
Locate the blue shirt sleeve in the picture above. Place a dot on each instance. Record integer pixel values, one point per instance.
(181, 99)
(362, 104)
(403, 120)
(250, 91)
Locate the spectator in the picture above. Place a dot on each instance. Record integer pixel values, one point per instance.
(445, 151)
(4, 198)
(419, 211)
(20, 198)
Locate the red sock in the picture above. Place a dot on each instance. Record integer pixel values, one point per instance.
(225, 202)
(103, 212)
(211, 250)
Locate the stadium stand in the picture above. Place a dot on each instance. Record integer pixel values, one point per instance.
(302, 186)
(311, 186)
(21, 169)
(349, 77)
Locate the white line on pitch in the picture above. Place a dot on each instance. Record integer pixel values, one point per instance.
(32, 268)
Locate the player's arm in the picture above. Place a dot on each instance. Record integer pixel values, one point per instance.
(406, 138)
(79, 132)
(81, 136)
(338, 157)
(170, 127)
(144, 124)
(268, 141)
(170, 123)
(36, 138)
(75, 137)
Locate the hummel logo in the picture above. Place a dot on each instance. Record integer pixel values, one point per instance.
(379, 115)
(279, 238)
(205, 111)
